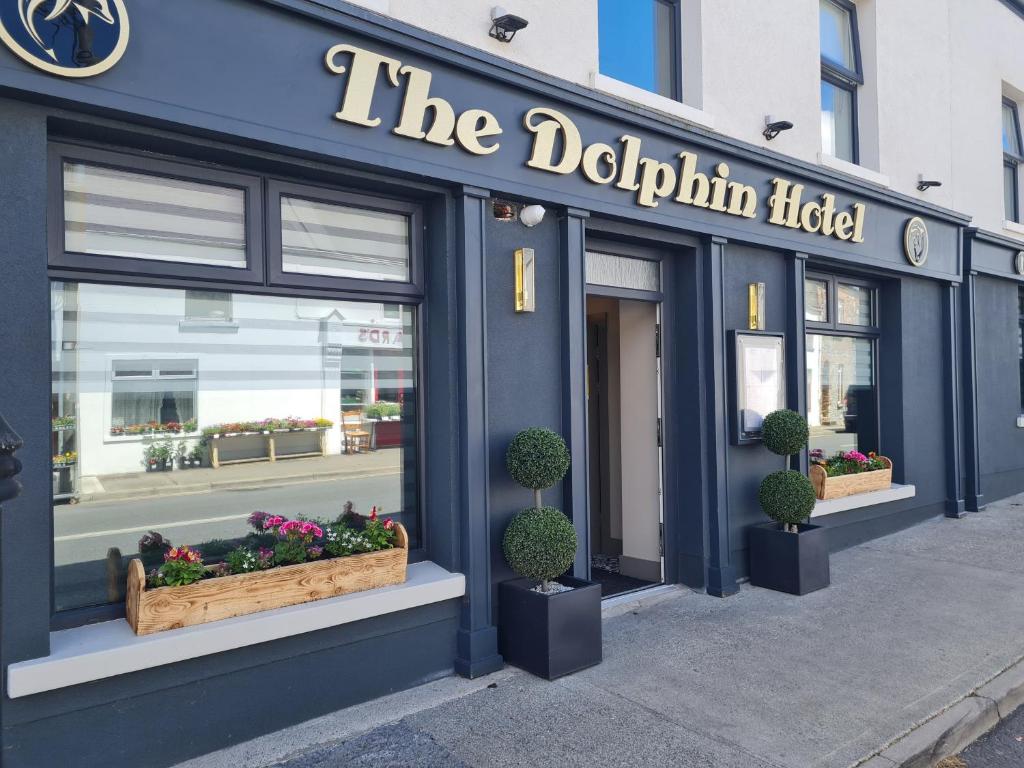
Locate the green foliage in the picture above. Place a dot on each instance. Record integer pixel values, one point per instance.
(289, 552)
(537, 458)
(245, 560)
(785, 432)
(341, 540)
(382, 408)
(787, 497)
(540, 543)
(178, 573)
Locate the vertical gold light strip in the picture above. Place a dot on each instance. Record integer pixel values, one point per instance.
(524, 276)
(755, 306)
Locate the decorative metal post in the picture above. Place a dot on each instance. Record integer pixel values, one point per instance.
(10, 442)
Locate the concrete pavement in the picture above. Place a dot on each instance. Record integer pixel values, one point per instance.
(912, 625)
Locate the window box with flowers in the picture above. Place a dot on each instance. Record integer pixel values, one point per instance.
(266, 440)
(282, 562)
(849, 472)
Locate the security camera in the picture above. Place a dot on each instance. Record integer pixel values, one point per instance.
(532, 215)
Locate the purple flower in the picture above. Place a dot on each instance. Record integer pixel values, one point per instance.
(314, 552)
(258, 520)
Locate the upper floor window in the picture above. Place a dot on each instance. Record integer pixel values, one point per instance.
(639, 44)
(840, 76)
(1012, 158)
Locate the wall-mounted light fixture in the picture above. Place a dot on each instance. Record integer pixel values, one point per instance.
(524, 268)
(923, 184)
(504, 25)
(755, 306)
(532, 215)
(773, 127)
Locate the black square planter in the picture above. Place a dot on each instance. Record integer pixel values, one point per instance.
(789, 562)
(550, 635)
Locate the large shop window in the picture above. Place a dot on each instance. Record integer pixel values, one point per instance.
(638, 43)
(840, 75)
(1013, 156)
(179, 411)
(842, 389)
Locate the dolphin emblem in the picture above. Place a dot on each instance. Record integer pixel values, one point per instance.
(28, 9)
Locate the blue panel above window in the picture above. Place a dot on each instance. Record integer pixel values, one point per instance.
(637, 40)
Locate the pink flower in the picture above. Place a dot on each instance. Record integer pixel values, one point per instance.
(273, 521)
(265, 554)
(389, 524)
(373, 513)
(290, 526)
(311, 528)
(258, 520)
(855, 456)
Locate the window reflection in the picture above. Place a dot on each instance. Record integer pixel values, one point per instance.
(295, 407)
(842, 408)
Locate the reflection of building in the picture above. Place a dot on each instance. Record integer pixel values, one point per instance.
(131, 357)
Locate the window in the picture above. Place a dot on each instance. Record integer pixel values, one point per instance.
(151, 392)
(842, 391)
(840, 76)
(1012, 157)
(320, 238)
(638, 44)
(279, 373)
(207, 305)
(118, 213)
(292, 356)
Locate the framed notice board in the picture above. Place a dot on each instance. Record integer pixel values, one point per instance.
(758, 373)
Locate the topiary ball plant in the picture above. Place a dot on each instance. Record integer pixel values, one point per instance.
(537, 458)
(785, 432)
(540, 543)
(787, 497)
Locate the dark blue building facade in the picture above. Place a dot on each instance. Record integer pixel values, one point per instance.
(322, 94)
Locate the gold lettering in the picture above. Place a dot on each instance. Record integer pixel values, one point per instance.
(858, 222)
(809, 210)
(545, 134)
(476, 124)
(630, 163)
(843, 225)
(718, 187)
(694, 187)
(828, 212)
(595, 154)
(742, 200)
(784, 203)
(415, 106)
(362, 79)
(655, 179)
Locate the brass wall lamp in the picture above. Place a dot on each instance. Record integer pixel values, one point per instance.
(525, 263)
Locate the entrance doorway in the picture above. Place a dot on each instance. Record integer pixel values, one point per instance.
(624, 420)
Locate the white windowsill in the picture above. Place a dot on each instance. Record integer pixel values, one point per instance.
(852, 169)
(1014, 227)
(655, 101)
(892, 493)
(98, 651)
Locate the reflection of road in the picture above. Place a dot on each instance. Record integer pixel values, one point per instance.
(85, 532)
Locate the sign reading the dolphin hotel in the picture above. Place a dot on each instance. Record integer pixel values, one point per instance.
(559, 148)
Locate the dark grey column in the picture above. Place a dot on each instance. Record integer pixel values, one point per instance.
(796, 348)
(975, 500)
(954, 491)
(721, 580)
(572, 242)
(26, 524)
(478, 637)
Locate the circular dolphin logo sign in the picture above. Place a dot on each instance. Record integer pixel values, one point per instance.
(70, 38)
(915, 242)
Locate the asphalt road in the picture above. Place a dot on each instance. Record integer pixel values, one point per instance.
(84, 533)
(1002, 747)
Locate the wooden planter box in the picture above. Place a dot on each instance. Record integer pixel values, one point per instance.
(269, 446)
(154, 610)
(826, 487)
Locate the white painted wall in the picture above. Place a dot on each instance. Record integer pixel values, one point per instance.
(935, 71)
